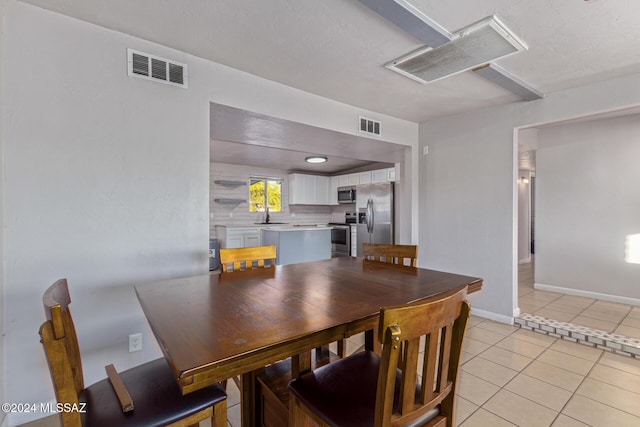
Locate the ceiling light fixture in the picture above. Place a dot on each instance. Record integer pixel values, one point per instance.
(315, 159)
(473, 46)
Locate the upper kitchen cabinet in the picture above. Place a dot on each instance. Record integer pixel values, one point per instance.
(383, 175)
(333, 189)
(308, 189)
(364, 177)
(322, 190)
(379, 176)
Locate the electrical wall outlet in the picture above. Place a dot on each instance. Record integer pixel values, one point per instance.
(135, 342)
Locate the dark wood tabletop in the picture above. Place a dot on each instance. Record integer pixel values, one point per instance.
(213, 327)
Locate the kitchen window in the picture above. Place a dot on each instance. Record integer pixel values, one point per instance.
(265, 192)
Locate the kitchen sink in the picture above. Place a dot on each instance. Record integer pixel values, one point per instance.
(269, 223)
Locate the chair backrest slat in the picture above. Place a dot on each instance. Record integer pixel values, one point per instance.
(409, 358)
(56, 300)
(441, 320)
(428, 368)
(60, 341)
(392, 254)
(61, 373)
(245, 258)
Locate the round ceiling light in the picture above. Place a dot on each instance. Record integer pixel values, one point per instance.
(315, 159)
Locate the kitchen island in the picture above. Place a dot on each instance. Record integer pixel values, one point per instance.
(299, 244)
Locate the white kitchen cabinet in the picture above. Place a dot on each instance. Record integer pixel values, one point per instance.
(250, 240)
(238, 237)
(301, 189)
(391, 175)
(308, 189)
(322, 190)
(354, 240)
(233, 242)
(354, 178)
(343, 180)
(333, 190)
(379, 175)
(364, 177)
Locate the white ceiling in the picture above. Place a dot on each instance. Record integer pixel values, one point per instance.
(338, 48)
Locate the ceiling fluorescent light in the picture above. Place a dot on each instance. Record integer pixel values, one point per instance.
(476, 45)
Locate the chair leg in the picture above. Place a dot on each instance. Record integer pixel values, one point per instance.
(299, 417)
(219, 418)
(447, 407)
(296, 415)
(341, 348)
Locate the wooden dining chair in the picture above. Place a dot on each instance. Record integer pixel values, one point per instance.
(396, 254)
(247, 258)
(146, 395)
(365, 389)
(237, 259)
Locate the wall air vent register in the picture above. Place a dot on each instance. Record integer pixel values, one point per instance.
(151, 67)
(370, 126)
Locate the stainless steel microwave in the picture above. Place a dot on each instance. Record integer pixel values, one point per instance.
(347, 194)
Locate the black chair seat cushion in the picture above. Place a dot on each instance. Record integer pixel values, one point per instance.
(343, 393)
(156, 398)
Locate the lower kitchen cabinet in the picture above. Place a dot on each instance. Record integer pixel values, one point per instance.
(238, 237)
(354, 240)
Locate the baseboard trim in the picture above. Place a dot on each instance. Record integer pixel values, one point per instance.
(492, 316)
(587, 294)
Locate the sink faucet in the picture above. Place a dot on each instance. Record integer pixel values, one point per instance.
(266, 217)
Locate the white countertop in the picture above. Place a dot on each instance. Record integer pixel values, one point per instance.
(298, 228)
(274, 226)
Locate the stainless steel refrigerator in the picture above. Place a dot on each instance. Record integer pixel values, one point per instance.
(374, 203)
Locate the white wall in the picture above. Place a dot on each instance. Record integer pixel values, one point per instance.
(587, 203)
(2, 311)
(524, 216)
(468, 197)
(106, 181)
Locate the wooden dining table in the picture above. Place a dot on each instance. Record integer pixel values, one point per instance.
(216, 326)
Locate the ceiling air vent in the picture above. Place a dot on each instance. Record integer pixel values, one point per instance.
(480, 43)
(370, 126)
(154, 68)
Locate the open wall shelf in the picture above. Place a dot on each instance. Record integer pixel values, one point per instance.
(225, 201)
(229, 183)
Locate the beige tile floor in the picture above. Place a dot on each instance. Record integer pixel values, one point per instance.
(607, 316)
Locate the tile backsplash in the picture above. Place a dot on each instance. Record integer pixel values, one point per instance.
(238, 213)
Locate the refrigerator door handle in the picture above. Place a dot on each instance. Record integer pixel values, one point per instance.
(370, 216)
